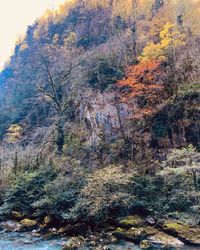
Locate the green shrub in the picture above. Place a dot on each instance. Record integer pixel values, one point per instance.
(60, 195)
(25, 189)
(106, 190)
(162, 195)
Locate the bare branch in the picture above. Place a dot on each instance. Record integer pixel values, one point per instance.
(44, 92)
(68, 74)
(50, 80)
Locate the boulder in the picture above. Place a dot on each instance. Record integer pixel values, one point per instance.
(188, 234)
(151, 221)
(113, 239)
(74, 243)
(63, 230)
(74, 230)
(49, 233)
(133, 234)
(48, 219)
(167, 241)
(53, 230)
(28, 224)
(145, 244)
(131, 221)
(36, 233)
(17, 215)
(151, 230)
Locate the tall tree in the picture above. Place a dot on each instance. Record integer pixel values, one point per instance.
(56, 65)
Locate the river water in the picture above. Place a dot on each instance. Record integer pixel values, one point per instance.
(25, 241)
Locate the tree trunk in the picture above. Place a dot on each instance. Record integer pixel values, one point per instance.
(60, 134)
(135, 4)
(134, 39)
(15, 164)
(117, 106)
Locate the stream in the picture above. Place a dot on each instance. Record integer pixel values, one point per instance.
(25, 241)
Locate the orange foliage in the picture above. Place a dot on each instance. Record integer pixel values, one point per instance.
(143, 81)
(146, 72)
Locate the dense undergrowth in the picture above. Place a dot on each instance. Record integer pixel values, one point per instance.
(108, 193)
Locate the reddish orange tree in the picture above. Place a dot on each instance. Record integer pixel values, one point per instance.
(143, 87)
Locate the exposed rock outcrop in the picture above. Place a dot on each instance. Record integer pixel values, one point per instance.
(188, 234)
(28, 224)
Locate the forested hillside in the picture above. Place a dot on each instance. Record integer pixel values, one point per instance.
(100, 117)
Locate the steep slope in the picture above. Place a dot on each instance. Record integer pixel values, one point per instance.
(100, 114)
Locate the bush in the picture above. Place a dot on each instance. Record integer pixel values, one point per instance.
(162, 194)
(25, 189)
(173, 189)
(60, 195)
(106, 191)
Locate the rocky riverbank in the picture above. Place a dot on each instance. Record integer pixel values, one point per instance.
(133, 231)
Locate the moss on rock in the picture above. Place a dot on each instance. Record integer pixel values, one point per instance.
(133, 234)
(131, 221)
(28, 224)
(189, 235)
(176, 226)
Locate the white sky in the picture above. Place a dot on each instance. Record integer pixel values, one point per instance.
(15, 16)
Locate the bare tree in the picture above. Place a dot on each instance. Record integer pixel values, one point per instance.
(56, 65)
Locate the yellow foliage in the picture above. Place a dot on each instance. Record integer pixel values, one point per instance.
(64, 9)
(153, 52)
(40, 31)
(97, 3)
(125, 9)
(43, 25)
(14, 133)
(71, 39)
(170, 37)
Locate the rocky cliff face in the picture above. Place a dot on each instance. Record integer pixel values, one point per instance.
(103, 115)
(177, 123)
(104, 118)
